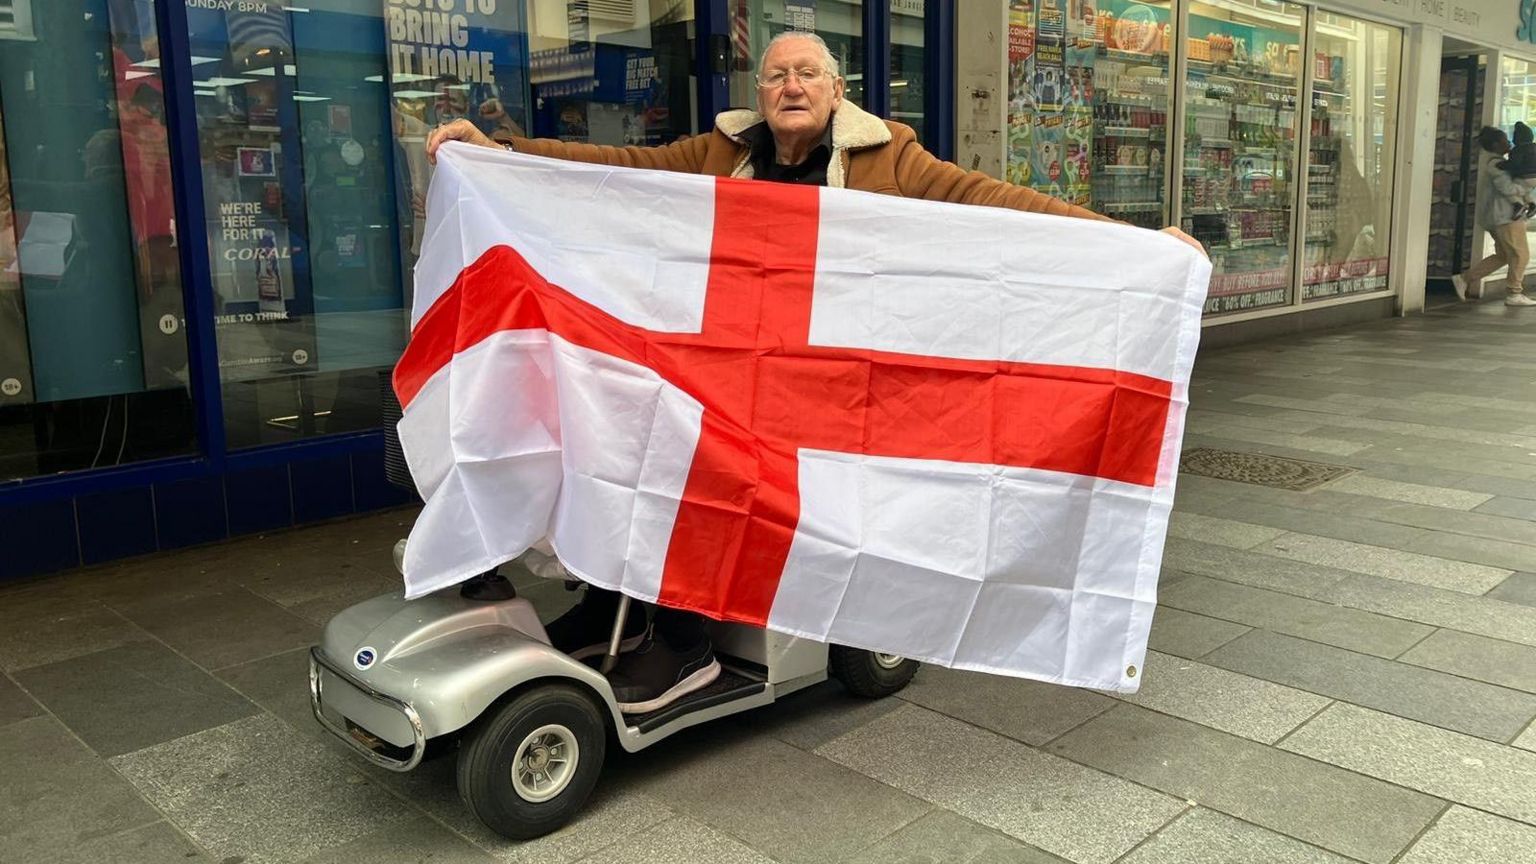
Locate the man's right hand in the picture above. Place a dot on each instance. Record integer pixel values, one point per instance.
(458, 130)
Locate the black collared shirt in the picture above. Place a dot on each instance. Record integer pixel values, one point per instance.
(765, 165)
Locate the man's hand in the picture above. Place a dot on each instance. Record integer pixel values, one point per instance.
(458, 130)
(1171, 232)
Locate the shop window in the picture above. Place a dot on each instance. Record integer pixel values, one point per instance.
(1088, 97)
(313, 126)
(93, 350)
(839, 23)
(908, 55)
(1516, 103)
(1350, 157)
(1239, 154)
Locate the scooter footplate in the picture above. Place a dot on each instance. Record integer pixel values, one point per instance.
(729, 687)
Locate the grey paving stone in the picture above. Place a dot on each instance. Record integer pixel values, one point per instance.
(1527, 739)
(221, 628)
(943, 837)
(1439, 520)
(1068, 810)
(418, 840)
(279, 683)
(320, 610)
(617, 811)
(1030, 711)
(132, 696)
(811, 717)
(1448, 765)
(15, 705)
(1313, 443)
(303, 576)
(1518, 588)
(1298, 513)
(1412, 493)
(1249, 707)
(805, 809)
(1440, 475)
(1515, 508)
(1339, 810)
(1250, 568)
(1478, 657)
(1304, 404)
(1436, 606)
(1477, 550)
(153, 844)
(1447, 701)
(1222, 532)
(57, 795)
(1295, 616)
(1185, 634)
(255, 790)
(1386, 563)
(1465, 836)
(679, 841)
(48, 627)
(1204, 836)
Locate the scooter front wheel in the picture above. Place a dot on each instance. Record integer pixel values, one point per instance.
(869, 674)
(528, 768)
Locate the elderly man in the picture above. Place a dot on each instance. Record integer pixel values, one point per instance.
(802, 132)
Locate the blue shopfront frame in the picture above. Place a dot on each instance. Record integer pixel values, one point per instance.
(87, 517)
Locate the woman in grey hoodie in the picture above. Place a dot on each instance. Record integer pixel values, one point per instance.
(1501, 198)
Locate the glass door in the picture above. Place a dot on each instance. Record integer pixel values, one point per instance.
(1240, 143)
(1353, 141)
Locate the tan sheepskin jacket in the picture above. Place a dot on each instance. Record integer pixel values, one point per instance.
(868, 153)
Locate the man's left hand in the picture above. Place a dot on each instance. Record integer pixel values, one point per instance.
(1174, 232)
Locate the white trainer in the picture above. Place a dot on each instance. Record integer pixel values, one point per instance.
(1519, 300)
(1460, 284)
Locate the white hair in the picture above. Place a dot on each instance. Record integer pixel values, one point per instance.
(828, 59)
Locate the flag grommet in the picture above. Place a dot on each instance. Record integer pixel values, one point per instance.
(1130, 671)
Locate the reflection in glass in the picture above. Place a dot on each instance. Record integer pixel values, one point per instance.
(93, 356)
(907, 55)
(1088, 99)
(1516, 103)
(1349, 168)
(840, 24)
(1240, 147)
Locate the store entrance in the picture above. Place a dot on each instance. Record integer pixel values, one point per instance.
(1452, 243)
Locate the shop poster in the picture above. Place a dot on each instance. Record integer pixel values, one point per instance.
(1050, 89)
(254, 191)
(451, 60)
(800, 15)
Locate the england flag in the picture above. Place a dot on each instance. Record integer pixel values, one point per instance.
(942, 431)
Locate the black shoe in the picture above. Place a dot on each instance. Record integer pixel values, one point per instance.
(584, 631)
(655, 675)
(487, 586)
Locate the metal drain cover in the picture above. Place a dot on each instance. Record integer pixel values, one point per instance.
(1274, 471)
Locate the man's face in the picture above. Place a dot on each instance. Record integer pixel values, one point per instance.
(798, 108)
(451, 103)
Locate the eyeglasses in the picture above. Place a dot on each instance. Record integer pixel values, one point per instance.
(776, 78)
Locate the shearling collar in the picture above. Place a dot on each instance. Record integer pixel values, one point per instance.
(853, 128)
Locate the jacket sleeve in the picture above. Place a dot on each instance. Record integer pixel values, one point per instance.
(1505, 185)
(920, 174)
(684, 156)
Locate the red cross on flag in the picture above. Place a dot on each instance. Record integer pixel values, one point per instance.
(942, 431)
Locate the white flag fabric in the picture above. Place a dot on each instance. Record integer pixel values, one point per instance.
(942, 431)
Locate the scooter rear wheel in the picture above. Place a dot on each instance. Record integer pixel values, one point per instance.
(868, 674)
(528, 768)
